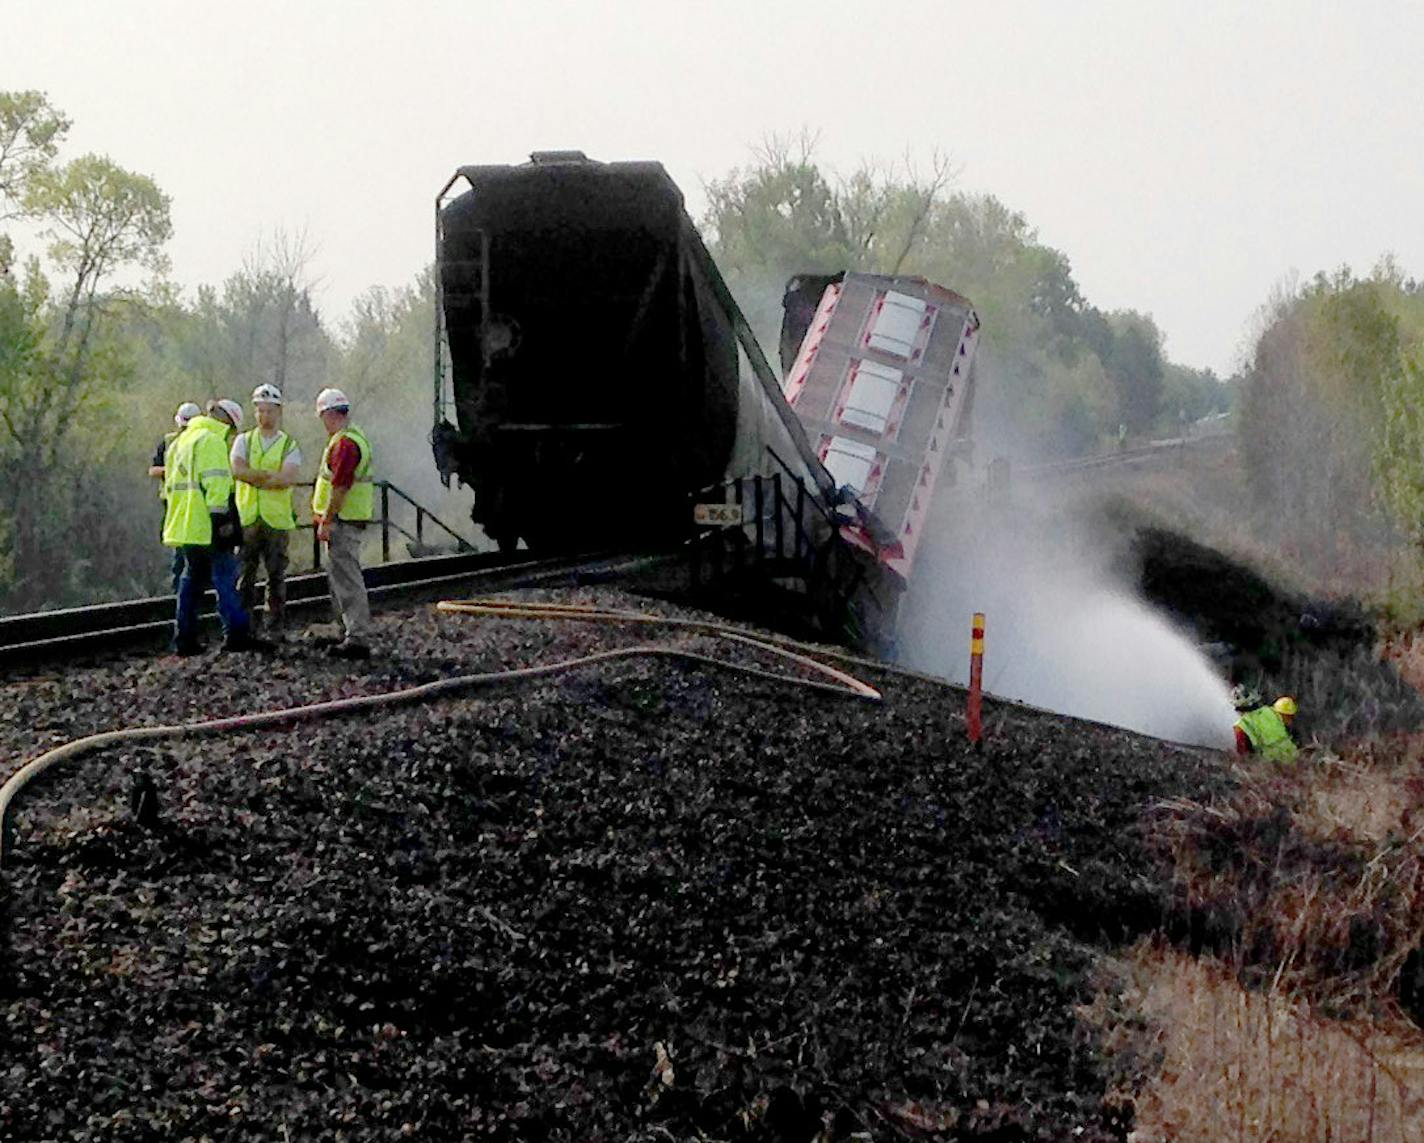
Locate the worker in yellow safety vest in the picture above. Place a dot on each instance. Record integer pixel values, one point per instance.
(1265, 730)
(200, 523)
(266, 462)
(343, 504)
(186, 412)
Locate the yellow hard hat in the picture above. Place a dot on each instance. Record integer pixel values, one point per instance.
(1285, 705)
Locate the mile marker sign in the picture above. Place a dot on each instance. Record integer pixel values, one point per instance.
(717, 515)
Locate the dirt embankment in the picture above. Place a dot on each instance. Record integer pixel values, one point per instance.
(1283, 999)
(638, 902)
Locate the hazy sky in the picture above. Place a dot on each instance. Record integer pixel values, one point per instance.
(1186, 157)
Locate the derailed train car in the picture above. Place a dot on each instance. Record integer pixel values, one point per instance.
(594, 372)
(879, 369)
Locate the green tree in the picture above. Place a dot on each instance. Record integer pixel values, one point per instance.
(387, 349)
(776, 218)
(264, 325)
(99, 218)
(30, 134)
(1325, 418)
(784, 216)
(67, 499)
(780, 215)
(1044, 388)
(1134, 363)
(67, 366)
(1188, 395)
(1056, 375)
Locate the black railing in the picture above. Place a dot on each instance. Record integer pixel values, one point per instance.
(756, 530)
(415, 540)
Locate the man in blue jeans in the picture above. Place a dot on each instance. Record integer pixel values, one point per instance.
(202, 523)
(186, 412)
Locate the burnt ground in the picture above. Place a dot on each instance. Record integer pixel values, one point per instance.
(1272, 638)
(1229, 602)
(641, 901)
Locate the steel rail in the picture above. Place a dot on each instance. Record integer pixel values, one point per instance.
(1162, 450)
(78, 631)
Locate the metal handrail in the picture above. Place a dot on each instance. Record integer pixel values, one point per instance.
(387, 524)
(762, 536)
(422, 512)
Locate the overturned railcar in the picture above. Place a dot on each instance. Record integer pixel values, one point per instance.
(593, 371)
(879, 369)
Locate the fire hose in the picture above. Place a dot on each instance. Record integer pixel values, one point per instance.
(842, 684)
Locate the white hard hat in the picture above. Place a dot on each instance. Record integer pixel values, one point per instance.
(329, 399)
(233, 411)
(186, 412)
(267, 395)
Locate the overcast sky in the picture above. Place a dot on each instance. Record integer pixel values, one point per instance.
(1186, 157)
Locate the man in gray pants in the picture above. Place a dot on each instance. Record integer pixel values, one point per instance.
(343, 504)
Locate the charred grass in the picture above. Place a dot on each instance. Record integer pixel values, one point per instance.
(642, 903)
(658, 904)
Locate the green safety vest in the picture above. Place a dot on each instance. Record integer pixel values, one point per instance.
(274, 505)
(360, 502)
(197, 480)
(1267, 733)
(168, 439)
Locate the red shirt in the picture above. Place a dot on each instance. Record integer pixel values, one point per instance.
(344, 459)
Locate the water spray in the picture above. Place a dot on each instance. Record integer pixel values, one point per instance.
(1072, 635)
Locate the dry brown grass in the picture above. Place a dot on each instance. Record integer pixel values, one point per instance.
(1350, 798)
(1302, 894)
(1225, 1063)
(1275, 1005)
(1305, 876)
(1406, 652)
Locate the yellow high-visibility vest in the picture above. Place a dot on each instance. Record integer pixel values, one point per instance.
(360, 502)
(1267, 732)
(197, 479)
(274, 505)
(168, 439)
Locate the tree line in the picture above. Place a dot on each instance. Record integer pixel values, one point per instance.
(1331, 424)
(98, 344)
(1057, 375)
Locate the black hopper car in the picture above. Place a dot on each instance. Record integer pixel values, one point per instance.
(594, 372)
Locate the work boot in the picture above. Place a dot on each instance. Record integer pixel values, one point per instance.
(247, 641)
(325, 634)
(185, 648)
(346, 649)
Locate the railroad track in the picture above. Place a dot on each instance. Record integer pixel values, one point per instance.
(1156, 452)
(78, 631)
(105, 627)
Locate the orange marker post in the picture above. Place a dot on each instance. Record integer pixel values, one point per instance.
(973, 714)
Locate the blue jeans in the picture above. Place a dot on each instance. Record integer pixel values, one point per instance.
(177, 567)
(201, 567)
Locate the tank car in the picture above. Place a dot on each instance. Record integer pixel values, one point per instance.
(593, 372)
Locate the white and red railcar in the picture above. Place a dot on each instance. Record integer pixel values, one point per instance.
(881, 383)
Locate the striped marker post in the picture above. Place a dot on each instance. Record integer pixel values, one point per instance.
(974, 711)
